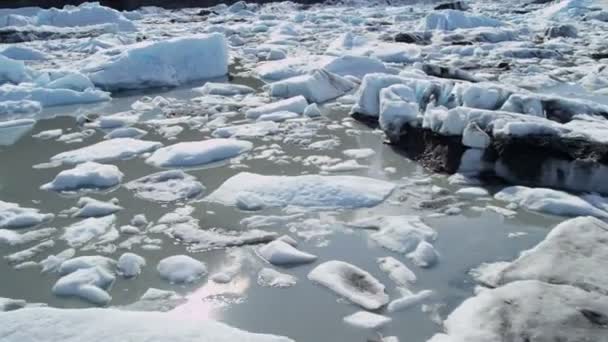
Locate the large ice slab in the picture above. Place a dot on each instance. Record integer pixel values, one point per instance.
(312, 191)
(164, 63)
(319, 86)
(75, 325)
(89, 175)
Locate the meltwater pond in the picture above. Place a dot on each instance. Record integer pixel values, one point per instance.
(470, 230)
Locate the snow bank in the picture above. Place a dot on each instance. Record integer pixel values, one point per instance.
(351, 282)
(14, 216)
(196, 153)
(549, 201)
(166, 186)
(528, 308)
(89, 175)
(305, 191)
(181, 269)
(165, 63)
(319, 86)
(114, 149)
(449, 20)
(75, 325)
(281, 253)
(571, 254)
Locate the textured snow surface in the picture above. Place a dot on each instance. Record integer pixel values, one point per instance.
(305, 191)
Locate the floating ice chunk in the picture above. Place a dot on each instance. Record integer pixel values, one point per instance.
(75, 325)
(368, 95)
(48, 97)
(351, 282)
(52, 262)
(345, 166)
(408, 301)
(258, 129)
(197, 153)
(359, 153)
(281, 253)
(14, 216)
(260, 221)
(13, 71)
(559, 312)
(400, 234)
(90, 207)
(326, 144)
(12, 238)
(49, 134)
(157, 300)
(398, 106)
(279, 116)
(424, 255)
(549, 201)
(164, 63)
(181, 269)
(202, 240)
(295, 104)
(73, 80)
(269, 277)
(89, 284)
(304, 191)
(108, 150)
(125, 132)
(450, 20)
(397, 271)
(115, 120)
(86, 261)
(130, 265)
(22, 256)
(569, 255)
(312, 111)
(88, 229)
(224, 89)
(471, 193)
(89, 175)
(367, 320)
(166, 186)
(357, 66)
(23, 53)
(21, 107)
(319, 86)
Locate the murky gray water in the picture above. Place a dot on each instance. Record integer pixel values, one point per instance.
(305, 312)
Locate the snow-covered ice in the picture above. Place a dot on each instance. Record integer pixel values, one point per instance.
(367, 320)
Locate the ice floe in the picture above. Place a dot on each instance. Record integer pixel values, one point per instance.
(164, 63)
(90, 207)
(269, 277)
(318, 86)
(89, 284)
(166, 186)
(304, 191)
(295, 104)
(14, 216)
(181, 269)
(129, 265)
(88, 175)
(88, 230)
(367, 320)
(397, 271)
(281, 253)
(198, 153)
(108, 150)
(351, 282)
